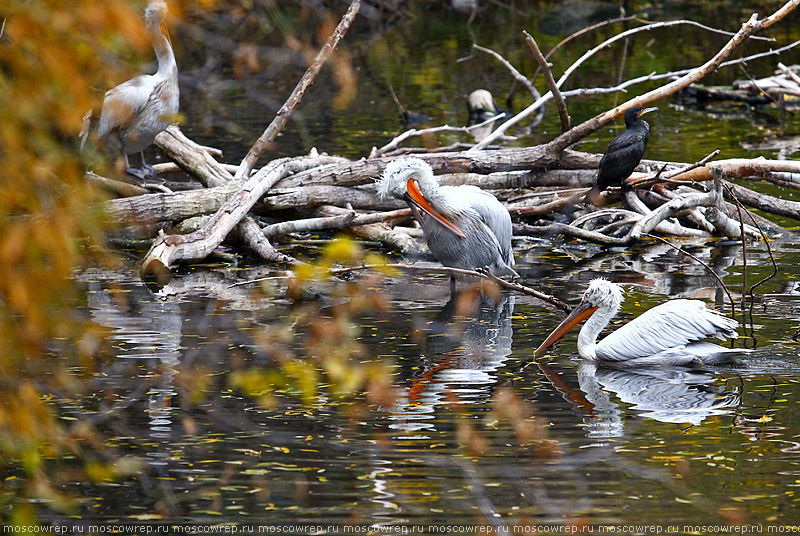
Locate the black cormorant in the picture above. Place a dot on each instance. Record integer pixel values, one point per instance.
(623, 154)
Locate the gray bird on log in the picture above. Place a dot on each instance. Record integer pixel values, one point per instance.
(623, 154)
(135, 111)
(464, 226)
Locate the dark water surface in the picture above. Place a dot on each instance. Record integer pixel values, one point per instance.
(477, 434)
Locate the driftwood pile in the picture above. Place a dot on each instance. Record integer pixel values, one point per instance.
(782, 89)
(542, 186)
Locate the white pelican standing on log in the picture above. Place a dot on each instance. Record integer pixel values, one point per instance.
(135, 111)
(667, 334)
(464, 226)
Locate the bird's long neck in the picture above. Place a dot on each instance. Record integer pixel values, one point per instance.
(637, 123)
(587, 338)
(163, 49)
(430, 188)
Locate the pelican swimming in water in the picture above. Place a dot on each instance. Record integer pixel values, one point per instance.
(135, 111)
(465, 227)
(668, 334)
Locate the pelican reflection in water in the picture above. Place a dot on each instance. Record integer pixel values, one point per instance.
(135, 111)
(463, 349)
(668, 334)
(464, 226)
(665, 394)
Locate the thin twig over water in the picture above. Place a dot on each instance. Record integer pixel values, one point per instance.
(706, 266)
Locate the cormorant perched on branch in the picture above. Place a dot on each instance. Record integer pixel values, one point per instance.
(623, 154)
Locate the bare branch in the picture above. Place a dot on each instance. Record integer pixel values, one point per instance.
(645, 182)
(563, 114)
(250, 232)
(294, 99)
(348, 219)
(375, 153)
(519, 77)
(750, 27)
(378, 231)
(124, 189)
(581, 32)
(192, 157)
(168, 249)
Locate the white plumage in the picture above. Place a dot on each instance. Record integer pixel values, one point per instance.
(464, 226)
(135, 111)
(668, 334)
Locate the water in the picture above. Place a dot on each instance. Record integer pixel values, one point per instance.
(468, 431)
(476, 432)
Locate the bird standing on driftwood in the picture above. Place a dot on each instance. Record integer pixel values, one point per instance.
(464, 226)
(135, 111)
(623, 154)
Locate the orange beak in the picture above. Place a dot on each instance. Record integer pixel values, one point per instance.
(165, 32)
(578, 315)
(415, 196)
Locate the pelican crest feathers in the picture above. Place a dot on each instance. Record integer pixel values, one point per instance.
(156, 12)
(601, 291)
(393, 181)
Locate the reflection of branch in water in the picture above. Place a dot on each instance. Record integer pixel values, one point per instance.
(771, 258)
(474, 273)
(479, 492)
(707, 267)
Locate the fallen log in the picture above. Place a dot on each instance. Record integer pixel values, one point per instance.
(319, 193)
(192, 157)
(378, 232)
(767, 203)
(702, 94)
(167, 250)
(180, 205)
(340, 220)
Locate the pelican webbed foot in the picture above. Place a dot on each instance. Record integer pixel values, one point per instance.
(143, 173)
